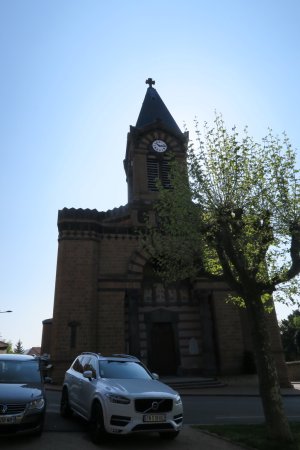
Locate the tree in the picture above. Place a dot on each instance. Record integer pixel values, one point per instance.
(233, 213)
(290, 336)
(10, 347)
(19, 347)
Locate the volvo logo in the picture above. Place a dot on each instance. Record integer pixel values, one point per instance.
(155, 406)
(3, 409)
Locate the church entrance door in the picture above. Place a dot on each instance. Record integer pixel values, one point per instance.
(162, 349)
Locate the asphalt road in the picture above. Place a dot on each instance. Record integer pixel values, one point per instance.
(71, 434)
(197, 410)
(232, 409)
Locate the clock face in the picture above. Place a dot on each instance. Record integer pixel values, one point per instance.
(159, 146)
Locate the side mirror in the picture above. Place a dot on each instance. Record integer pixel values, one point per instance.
(88, 374)
(155, 376)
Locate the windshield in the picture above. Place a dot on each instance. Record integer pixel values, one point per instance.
(20, 372)
(123, 369)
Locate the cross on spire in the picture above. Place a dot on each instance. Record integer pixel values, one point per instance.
(150, 82)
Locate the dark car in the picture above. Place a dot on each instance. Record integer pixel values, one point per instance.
(22, 395)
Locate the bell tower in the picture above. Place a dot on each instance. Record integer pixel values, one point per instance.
(150, 143)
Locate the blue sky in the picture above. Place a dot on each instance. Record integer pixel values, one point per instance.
(72, 81)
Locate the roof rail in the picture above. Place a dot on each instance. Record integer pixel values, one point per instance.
(91, 353)
(123, 355)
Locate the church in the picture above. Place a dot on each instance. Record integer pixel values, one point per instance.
(108, 299)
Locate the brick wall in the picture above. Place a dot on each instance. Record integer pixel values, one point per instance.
(229, 334)
(111, 322)
(75, 302)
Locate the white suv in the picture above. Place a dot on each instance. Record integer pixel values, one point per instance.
(117, 394)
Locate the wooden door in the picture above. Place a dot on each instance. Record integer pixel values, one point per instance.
(162, 352)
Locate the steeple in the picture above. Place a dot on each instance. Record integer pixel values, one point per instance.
(154, 110)
(149, 145)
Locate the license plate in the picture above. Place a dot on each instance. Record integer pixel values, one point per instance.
(7, 419)
(154, 418)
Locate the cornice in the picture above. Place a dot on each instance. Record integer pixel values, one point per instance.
(67, 214)
(92, 224)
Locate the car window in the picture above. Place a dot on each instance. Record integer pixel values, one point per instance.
(123, 369)
(91, 365)
(87, 365)
(77, 366)
(20, 372)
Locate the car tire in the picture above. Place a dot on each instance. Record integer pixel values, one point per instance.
(169, 435)
(65, 409)
(97, 429)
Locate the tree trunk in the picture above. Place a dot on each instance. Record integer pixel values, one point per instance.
(276, 421)
(277, 349)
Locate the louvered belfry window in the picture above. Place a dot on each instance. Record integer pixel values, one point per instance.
(165, 174)
(153, 173)
(158, 170)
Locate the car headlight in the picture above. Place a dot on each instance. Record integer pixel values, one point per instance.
(178, 400)
(39, 403)
(115, 398)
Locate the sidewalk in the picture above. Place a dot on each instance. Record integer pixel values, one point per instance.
(188, 439)
(242, 385)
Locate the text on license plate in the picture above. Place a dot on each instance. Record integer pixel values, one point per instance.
(7, 419)
(155, 418)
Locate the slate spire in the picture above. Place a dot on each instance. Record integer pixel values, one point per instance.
(153, 110)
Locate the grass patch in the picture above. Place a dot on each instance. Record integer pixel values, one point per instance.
(253, 436)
